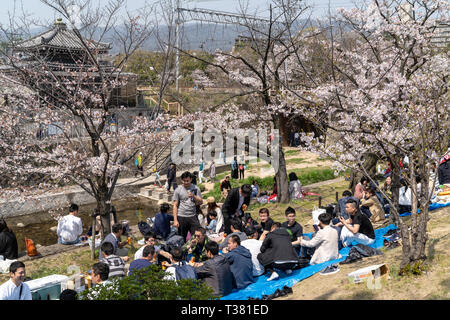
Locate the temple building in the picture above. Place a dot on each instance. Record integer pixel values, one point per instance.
(66, 54)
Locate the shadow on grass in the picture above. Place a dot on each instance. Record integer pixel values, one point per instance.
(362, 295)
(326, 296)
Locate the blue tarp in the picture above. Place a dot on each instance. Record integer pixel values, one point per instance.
(263, 287)
(432, 207)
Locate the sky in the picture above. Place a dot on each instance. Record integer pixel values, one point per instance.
(38, 9)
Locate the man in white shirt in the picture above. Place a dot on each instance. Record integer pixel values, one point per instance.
(70, 227)
(15, 288)
(254, 246)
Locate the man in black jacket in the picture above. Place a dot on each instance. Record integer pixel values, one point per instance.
(234, 204)
(277, 251)
(215, 271)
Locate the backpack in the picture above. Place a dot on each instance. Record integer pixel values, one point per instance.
(144, 228)
(184, 271)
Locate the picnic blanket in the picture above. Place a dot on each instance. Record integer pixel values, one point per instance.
(263, 287)
(432, 207)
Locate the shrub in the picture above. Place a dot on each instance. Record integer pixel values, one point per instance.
(149, 284)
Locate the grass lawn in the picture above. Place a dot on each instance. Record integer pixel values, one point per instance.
(306, 176)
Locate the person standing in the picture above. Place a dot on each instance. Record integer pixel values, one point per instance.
(171, 177)
(8, 242)
(15, 288)
(70, 227)
(185, 201)
(237, 200)
(200, 171)
(138, 163)
(234, 169)
(212, 172)
(241, 171)
(225, 187)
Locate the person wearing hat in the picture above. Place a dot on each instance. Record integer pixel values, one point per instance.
(213, 207)
(138, 164)
(162, 221)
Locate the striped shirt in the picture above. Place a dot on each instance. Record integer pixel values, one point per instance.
(116, 266)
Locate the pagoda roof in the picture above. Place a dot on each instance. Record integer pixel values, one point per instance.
(59, 37)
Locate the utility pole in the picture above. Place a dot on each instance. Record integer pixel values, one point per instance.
(177, 39)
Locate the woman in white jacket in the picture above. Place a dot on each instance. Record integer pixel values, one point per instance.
(295, 186)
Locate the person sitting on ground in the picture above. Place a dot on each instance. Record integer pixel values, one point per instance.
(325, 241)
(444, 169)
(70, 227)
(255, 189)
(179, 268)
(68, 295)
(277, 251)
(8, 242)
(15, 288)
(236, 229)
(361, 229)
(294, 228)
(150, 240)
(361, 187)
(148, 258)
(254, 246)
(212, 206)
(114, 237)
(99, 276)
(225, 187)
(237, 201)
(275, 187)
(370, 200)
(266, 223)
(241, 265)
(212, 217)
(295, 186)
(215, 271)
(162, 222)
(196, 245)
(339, 210)
(115, 263)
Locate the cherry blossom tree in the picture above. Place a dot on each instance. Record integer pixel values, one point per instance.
(386, 93)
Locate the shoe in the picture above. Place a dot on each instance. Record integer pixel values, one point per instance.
(273, 276)
(330, 270)
(278, 293)
(287, 290)
(288, 271)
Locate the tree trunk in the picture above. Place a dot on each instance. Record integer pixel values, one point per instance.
(104, 208)
(370, 164)
(281, 174)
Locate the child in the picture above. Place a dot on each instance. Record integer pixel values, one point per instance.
(211, 227)
(157, 178)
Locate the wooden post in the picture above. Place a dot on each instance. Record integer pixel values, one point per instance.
(337, 196)
(320, 201)
(93, 237)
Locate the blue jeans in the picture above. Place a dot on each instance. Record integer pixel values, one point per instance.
(60, 240)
